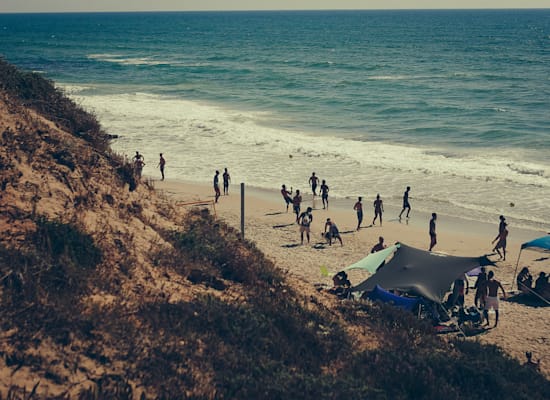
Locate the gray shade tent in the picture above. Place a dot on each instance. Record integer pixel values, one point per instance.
(421, 273)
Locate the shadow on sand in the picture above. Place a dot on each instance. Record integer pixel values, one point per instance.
(283, 226)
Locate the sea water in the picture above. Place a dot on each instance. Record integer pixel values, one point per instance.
(455, 104)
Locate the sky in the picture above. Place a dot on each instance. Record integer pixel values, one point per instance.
(9, 6)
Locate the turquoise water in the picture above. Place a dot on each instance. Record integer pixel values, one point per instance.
(455, 104)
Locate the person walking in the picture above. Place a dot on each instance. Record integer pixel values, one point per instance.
(406, 204)
(324, 194)
(501, 244)
(313, 182)
(378, 209)
(433, 235)
(162, 163)
(358, 207)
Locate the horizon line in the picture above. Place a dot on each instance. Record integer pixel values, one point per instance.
(274, 10)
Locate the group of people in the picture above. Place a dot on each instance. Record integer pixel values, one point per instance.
(139, 162)
(226, 180)
(524, 282)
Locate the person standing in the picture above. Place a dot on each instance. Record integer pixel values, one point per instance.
(324, 194)
(306, 218)
(286, 196)
(313, 182)
(358, 207)
(296, 202)
(378, 209)
(492, 297)
(433, 235)
(226, 180)
(501, 244)
(406, 204)
(481, 289)
(162, 163)
(217, 185)
(139, 163)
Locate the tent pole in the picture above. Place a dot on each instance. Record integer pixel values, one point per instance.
(516, 270)
(538, 295)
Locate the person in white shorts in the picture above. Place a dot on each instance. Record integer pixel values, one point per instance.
(492, 297)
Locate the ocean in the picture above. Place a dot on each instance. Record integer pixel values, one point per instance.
(455, 104)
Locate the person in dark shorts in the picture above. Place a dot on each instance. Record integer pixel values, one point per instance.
(378, 209)
(333, 232)
(313, 182)
(324, 194)
(296, 202)
(406, 204)
(358, 207)
(162, 163)
(226, 180)
(217, 185)
(433, 235)
(286, 196)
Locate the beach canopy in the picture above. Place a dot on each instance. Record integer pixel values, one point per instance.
(371, 262)
(541, 244)
(421, 273)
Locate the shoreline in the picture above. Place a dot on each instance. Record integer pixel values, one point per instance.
(446, 224)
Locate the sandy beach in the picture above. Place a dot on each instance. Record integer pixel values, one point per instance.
(521, 328)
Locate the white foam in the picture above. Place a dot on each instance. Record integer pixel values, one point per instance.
(198, 138)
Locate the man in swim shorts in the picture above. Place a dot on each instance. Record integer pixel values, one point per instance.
(286, 196)
(406, 204)
(296, 201)
(162, 163)
(501, 244)
(313, 181)
(305, 221)
(492, 297)
(358, 207)
(324, 194)
(226, 180)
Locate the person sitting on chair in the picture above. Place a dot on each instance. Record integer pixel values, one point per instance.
(524, 280)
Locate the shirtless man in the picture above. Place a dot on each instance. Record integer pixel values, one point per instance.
(305, 221)
(324, 194)
(492, 297)
(286, 196)
(162, 163)
(433, 235)
(358, 207)
(406, 204)
(501, 244)
(313, 181)
(378, 209)
(226, 180)
(217, 185)
(296, 201)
